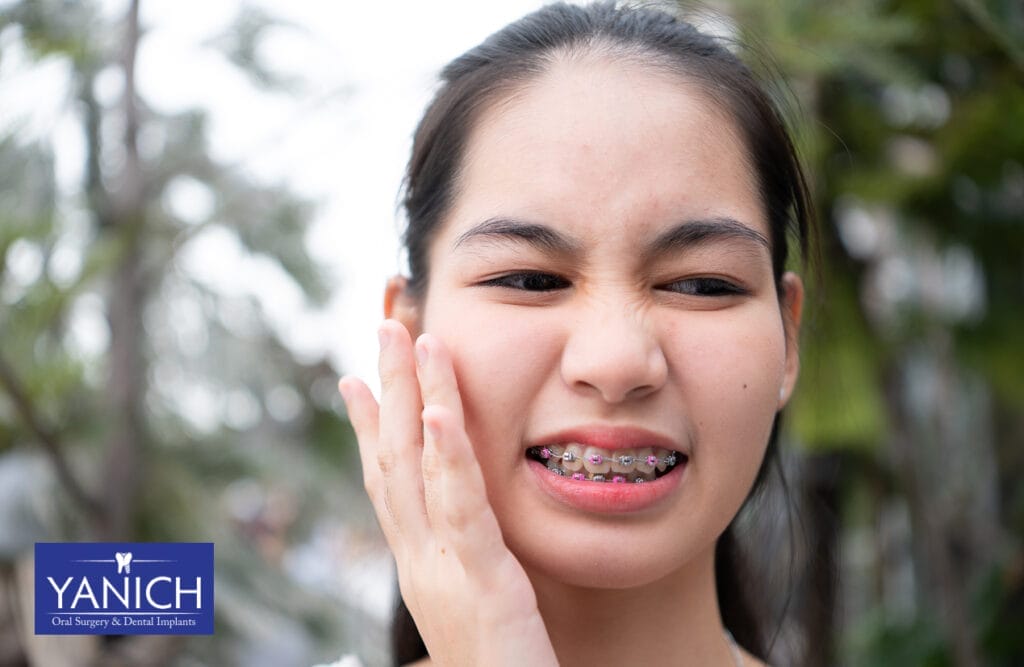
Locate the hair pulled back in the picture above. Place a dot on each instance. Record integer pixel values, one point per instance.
(512, 58)
(519, 53)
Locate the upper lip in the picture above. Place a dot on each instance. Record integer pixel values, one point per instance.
(607, 436)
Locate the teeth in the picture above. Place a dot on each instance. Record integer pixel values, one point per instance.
(572, 458)
(624, 460)
(645, 460)
(596, 461)
(593, 464)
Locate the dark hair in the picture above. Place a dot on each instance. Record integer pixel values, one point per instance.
(518, 54)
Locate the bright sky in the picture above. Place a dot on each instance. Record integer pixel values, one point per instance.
(370, 68)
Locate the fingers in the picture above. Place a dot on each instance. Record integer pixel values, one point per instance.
(363, 413)
(390, 440)
(454, 489)
(436, 374)
(462, 516)
(418, 489)
(438, 386)
(401, 433)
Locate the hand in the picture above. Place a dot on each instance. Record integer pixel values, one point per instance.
(471, 599)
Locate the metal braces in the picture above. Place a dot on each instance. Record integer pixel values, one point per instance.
(616, 479)
(545, 453)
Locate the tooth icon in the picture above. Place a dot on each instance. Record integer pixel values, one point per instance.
(124, 562)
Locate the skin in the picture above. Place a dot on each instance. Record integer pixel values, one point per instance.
(609, 155)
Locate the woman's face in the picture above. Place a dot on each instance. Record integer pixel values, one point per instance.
(649, 304)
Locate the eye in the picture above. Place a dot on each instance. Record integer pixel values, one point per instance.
(710, 287)
(529, 282)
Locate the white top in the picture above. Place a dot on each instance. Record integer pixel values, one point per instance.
(343, 661)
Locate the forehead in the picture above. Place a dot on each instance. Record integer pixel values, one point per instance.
(607, 150)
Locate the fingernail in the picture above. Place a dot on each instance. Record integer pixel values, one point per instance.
(422, 354)
(385, 337)
(343, 390)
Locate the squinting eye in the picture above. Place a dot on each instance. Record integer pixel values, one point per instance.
(704, 287)
(529, 282)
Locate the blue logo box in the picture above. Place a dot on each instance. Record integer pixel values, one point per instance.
(124, 588)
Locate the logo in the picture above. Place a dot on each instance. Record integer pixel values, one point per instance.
(113, 588)
(124, 562)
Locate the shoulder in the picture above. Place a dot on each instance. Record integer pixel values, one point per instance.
(751, 661)
(343, 661)
(353, 661)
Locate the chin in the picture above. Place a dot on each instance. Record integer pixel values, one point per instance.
(609, 557)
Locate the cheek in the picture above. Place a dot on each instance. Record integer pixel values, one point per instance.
(730, 372)
(500, 363)
(743, 359)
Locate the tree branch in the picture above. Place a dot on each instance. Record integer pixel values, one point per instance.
(980, 15)
(46, 437)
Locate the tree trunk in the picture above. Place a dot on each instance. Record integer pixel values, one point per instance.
(821, 482)
(945, 584)
(126, 388)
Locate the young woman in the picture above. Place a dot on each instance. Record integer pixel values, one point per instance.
(582, 373)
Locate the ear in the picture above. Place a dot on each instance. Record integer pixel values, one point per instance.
(792, 306)
(401, 306)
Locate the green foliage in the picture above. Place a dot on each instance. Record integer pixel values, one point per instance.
(890, 644)
(837, 404)
(999, 607)
(237, 440)
(913, 130)
(241, 45)
(60, 28)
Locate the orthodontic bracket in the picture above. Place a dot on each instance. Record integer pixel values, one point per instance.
(545, 453)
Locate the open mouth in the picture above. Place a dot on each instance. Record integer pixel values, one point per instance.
(593, 464)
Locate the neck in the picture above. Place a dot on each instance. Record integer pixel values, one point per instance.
(671, 621)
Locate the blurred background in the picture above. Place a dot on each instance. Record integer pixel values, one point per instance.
(197, 215)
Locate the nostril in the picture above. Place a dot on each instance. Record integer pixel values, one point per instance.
(640, 392)
(611, 395)
(616, 364)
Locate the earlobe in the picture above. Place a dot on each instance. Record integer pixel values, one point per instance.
(400, 305)
(792, 312)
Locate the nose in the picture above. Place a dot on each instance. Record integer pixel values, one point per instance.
(612, 350)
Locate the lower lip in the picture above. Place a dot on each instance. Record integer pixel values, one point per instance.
(606, 497)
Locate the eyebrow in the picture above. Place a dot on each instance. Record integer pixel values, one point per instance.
(685, 235)
(695, 233)
(539, 236)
